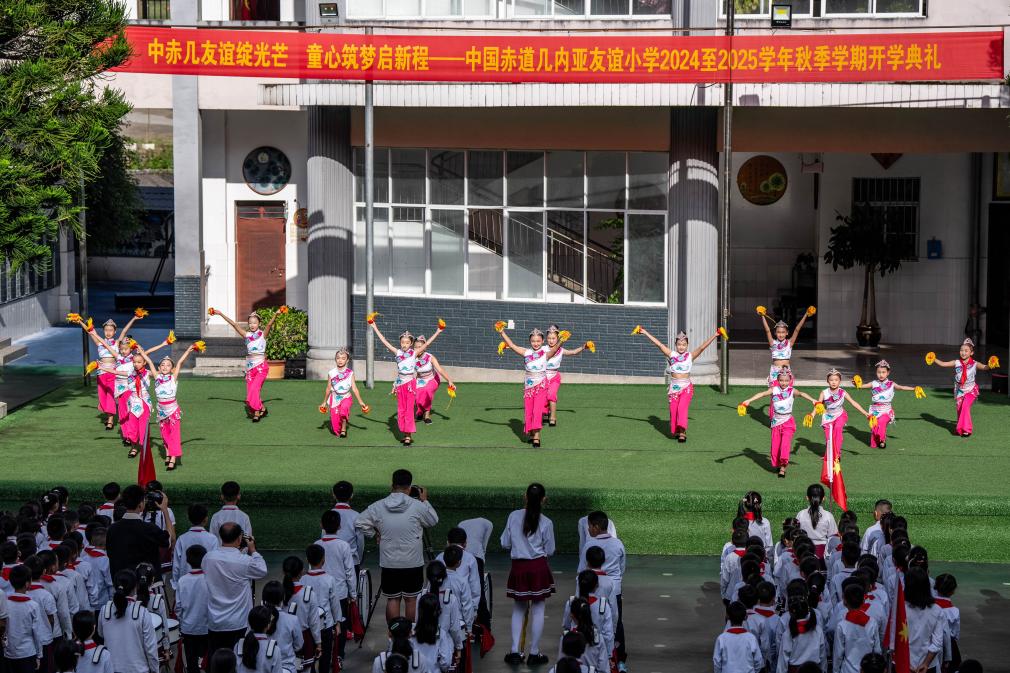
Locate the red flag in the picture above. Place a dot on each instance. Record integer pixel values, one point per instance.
(902, 659)
(838, 486)
(145, 468)
(357, 630)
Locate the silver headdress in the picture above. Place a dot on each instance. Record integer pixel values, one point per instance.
(108, 322)
(781, 324)
(833, 372)
(883, 363)
(535, 331)
(681, 336)
(968, 342)
(406, 333)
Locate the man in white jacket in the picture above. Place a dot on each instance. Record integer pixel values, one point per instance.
(398, 521)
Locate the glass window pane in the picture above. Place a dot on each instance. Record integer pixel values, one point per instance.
(443, 7)
(752, 7)
(605, 258)
(357, 8)
(486, 261)
(846, 6)
(526, 178)
(485, 178)
(569, 7)
(565, 186)
(380, 255)
(532, 7)
(606, 179)
(899, 7)
(407, 257)
(478, 7)
(799, 6)
(445, 177)
(448, 251)
(647, 181)
(380, 194)
(526, 255)
(403, 7)
(566, 244)
(650, 7)
(408, 176)
(646, 255)
(609, 7)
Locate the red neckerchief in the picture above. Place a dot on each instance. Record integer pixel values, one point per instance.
(49, 579)
(71, 566)
(53, 545)
(944, 602)
(36, 587)
(341, 505)
(802, 625)
(740, 552)
(764, 612)
(316, 573)
(865, 607)
(90, 645)
(6, 573)
(195, 572)
(139, 376)
(591, 599)
(600, 573)
(749, 516)
(94, 553)
(19, 598)
(329, 538)
(197, 529)
(299, 587)
(964, 368)
(736, 629)
(857, 617)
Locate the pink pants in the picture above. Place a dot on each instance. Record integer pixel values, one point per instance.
(964, 403)
(106, 393)
(553, 386)
(782, 441)
(878, 435)
(534, 401)
(833, 433)
(406, 399)
(171, 433)
(135, 428)
(426, 393)
(679, 404)
(123, 413)
(339, 414)
(254, 379)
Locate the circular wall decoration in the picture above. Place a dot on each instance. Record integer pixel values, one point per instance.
(762, 180)
(266, 170)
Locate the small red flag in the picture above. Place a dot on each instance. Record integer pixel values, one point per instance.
(902, 658)
(145, 468)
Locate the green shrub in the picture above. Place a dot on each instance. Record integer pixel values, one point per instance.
(289, 337)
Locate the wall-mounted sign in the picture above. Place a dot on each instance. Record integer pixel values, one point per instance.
(762, 180)
(266, 170)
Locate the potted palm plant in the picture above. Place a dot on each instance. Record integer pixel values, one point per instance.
(861, 240)
(288, 338)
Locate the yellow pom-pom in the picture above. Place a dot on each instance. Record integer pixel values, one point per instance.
(637, 330)
(199, 346)
(89, 324)
(140, 312)
(92, 366)
(811, 310)
(819, 408)
(873, 421)
(761, 310)
(808, 421)
(283, 309)
(741, 409)
(365, 409)
(500, 325)
(564, 335)
(501, 348)
(73, 317)
(591, 346)
(322, 408)
(170, 339)
(452, 391)
(930, 357)
(723, 333)
(211, 311)
(993, 362)
(441, 324)
(857, 381)
(131, 343)
(920, 394)
(370, 318)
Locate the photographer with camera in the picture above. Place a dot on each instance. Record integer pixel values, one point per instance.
(398, 522)
(133, 540)
(230, 569)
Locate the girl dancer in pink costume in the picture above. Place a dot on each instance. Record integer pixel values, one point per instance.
(138, 405)
(833, 421)
(256, 367)
(535, 382)
(881, 396)
(166, 384)
(429, 376)
(108, 349)
(340, 386)
(780, 342)
(405, 384)
(680, 360)
(554, 370)
(783, 425)
(965, 388)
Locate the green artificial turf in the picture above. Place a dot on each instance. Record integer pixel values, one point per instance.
(611, 450)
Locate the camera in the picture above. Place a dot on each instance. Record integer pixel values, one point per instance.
(153, 500)
(244, 541)
(415, 491)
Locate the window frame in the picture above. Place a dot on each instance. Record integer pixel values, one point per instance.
(818, 11)
(507, 11)
(885, 204)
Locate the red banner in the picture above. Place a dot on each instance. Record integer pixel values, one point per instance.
(863, 57)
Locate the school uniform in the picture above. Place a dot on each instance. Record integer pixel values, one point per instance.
(952, 630)
(107, 508)
(787, 569)
(925, 634)
(604, 589)
(78, 573)
(457, 582)
(47, 604)
(192, 605)
(268, 657)
(306, 608)
(434, 657)
(819, 534)
(99, 579)
(857, 635)
(26, 634)
(95, 659)
(290, 641)
(737, 651)
(808, 645)
(759, 621)
(59, 589)
(730, 573)
(69, 585)
(5, 573)
(478, 534)
(130, 638)
(450, 619)
(469, 571)
(415, 666)
(841, 574)
(348, 533)
(762, 529)
(326, 590)
(727, 549)
(195, 535)
(595, 655)
(229, 514)
(603, 621)
(874, 609)
(872, 537)
(339, 565)
(583, 527)
(530, 577)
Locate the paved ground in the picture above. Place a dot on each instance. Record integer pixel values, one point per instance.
(674, 613)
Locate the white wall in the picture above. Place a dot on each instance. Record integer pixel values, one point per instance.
(924, 302)
(228, 136)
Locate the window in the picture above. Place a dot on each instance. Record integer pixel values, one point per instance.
(154, 10)
(29, 280)
(380, 185)
(763, 8)
(897, 200)
(827, 8)
(506, 9)
(873, 7)
(255, 10)
(558, 226)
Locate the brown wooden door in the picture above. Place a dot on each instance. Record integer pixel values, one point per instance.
(259, 270)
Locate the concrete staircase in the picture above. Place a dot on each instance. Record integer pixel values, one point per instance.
(224, 357)
(10, 352)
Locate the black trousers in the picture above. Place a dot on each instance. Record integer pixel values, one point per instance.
(622, 652)
(223, 640)
(26, 665)
(345, 625)
(483, 614)
(195, 648)
(325, 664)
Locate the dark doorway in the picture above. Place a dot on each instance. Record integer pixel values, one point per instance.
(997, 322)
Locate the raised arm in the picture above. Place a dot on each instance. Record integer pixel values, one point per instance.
(796, 332)
(178, 365)
(756, 397)
(147, 358)
(266, 330)
(768, 330)
(127, 326)
(701, 349)
(91, 333)
(553, 350)
(573, 351)
(418, 350)
(947, 364)
(155, 349)
(910, 389)
(438, 370)
(238, 330)
(382, 339)
(855, 404)
(508, 342)
(802, 394)
(659, 344)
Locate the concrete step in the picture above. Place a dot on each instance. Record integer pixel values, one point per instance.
(3, 409)
(4, 343)
(218, 366)
(9, 353)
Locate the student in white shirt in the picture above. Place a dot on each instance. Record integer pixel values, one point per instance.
(729, 569)
(300, 600)
(327, 591)
(817, 522)
(452, 557)
(400, 647)
(60, 590)
(27, 626)
(9, 556)
(434, 647)
(736, 648)
(588, 583)
(450, 618)
(288, 632)
(615, 565)
(595, 560)
(77, 571)
(579, 616)
(477, 533)
(128, 629)
(468, 567)
(192, 603)
(197, 534)
(258, 652)
(338, 564)
(229, 571)
(47, 604)
(803, 640)
(111, 493)
(231, 493)
(926, 622)
(944, 587)
(343, 492)
(856, 635)
(750, 509)
(99, 578)
(89, 657)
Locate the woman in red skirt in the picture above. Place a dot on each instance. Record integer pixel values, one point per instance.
(529, 535)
